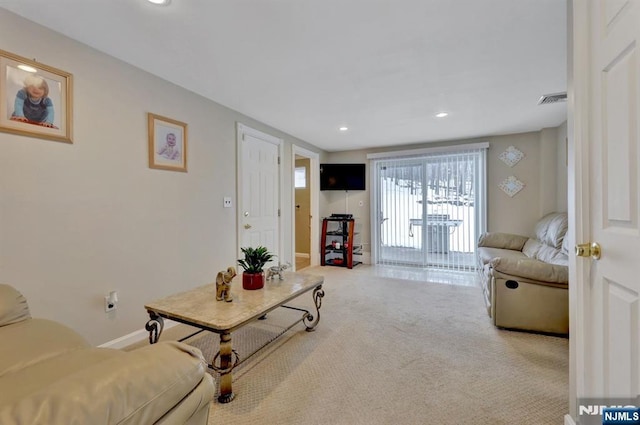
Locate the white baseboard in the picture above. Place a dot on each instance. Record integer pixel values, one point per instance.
(568, 420)
(134, 337)
(365, 257)
(302, 255)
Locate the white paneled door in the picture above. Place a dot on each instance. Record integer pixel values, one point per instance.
(605, 301)
(259, 193)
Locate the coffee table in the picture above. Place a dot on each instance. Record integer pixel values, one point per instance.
(198, 308)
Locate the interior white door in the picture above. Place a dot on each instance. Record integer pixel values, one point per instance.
(606, 326)
(259, 221)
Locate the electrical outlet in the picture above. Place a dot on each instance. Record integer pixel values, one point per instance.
(111, 302)
(108, 305)
(227, 202)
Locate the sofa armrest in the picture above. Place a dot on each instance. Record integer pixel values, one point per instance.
(13, 306)
(502, 240)
(135, 387)
(531, 269)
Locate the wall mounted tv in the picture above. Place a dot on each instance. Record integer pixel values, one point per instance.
(342, 177)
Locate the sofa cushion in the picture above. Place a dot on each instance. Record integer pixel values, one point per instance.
(548, 254)
(486, 254)
(552, 228)
(21, 383)
(532, 269)
(13, 306)
(35, 340)
(135, 387)
(531, 248)
(502, 240)
(565, 245)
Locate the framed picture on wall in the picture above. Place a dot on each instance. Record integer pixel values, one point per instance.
(35, 99)
(167, 143)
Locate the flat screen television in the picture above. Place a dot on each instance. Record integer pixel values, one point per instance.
(342, 177)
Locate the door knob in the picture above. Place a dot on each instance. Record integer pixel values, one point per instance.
(588, 250)
(247, 226)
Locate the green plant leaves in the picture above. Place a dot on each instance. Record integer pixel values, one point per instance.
(255, 259)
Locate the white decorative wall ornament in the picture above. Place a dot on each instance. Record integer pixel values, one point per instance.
(511, 186)
(511, 156)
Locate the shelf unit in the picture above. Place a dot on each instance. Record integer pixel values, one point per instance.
(339, 231)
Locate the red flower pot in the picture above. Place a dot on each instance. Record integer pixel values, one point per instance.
(252, 281)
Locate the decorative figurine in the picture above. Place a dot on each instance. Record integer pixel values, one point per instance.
(223, 284)
(278, 270)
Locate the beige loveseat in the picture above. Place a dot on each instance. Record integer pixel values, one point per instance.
(49, 375)
(525, 280)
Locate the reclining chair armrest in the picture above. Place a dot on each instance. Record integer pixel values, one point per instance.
(13, 306)
(502, 240)
(134, 387)
(532, 270)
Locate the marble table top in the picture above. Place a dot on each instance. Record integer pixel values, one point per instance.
(199, 307)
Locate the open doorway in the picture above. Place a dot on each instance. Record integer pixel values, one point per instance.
(305, 208)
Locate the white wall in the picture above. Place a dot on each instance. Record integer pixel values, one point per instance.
(78, 220)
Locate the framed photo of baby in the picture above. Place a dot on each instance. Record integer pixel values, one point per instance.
(35, 99)
(167, 143)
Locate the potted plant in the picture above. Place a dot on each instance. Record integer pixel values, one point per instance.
(253, 265)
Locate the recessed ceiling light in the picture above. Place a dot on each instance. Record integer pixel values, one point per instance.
(27, 68)
(343, 128)
(160, 2)
(442, 114)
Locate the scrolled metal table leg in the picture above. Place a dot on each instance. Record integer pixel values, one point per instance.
(154, 326)
(309, 321)
(226, 366)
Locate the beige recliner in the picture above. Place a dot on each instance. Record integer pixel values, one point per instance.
(49, 375)
(525, 280)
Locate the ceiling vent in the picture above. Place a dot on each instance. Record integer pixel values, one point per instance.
(552, 98)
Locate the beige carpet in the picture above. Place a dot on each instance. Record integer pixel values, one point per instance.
(391, 351)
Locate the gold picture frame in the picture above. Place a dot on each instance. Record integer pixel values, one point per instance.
(36, 100)
(167, 143)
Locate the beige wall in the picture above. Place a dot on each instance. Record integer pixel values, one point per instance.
(538, 170)
(353, 202)
(562, 174)
(81, 219)
(518, 214)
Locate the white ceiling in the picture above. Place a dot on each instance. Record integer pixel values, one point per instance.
(383, 68)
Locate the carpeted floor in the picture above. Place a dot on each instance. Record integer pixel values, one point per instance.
(391, 351)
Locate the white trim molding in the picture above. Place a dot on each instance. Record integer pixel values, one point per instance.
(424, 151)
(134, 337)
(314, 205)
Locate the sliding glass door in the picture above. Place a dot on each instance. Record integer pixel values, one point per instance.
(429, 209)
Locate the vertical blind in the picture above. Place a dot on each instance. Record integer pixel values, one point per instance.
(429, 208)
